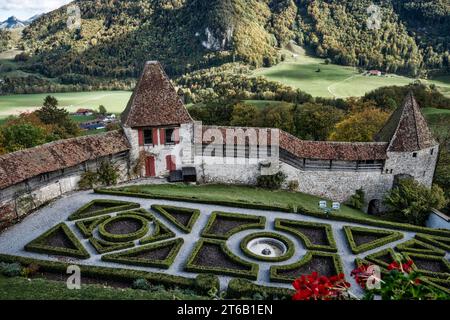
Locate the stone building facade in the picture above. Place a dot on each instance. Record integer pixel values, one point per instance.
(159, 138)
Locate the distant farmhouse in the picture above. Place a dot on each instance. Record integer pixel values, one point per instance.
(160, 139)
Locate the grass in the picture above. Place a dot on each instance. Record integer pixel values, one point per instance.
(334, 80)
(42, 289)
(114, 101)
(240, 194)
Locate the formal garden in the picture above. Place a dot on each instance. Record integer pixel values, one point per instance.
(217, 248)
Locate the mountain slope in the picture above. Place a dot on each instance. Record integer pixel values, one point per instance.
(117, 37)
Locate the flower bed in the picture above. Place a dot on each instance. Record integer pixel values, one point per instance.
(123, 228)
(324, 263)
(183, 218)
(102, 246)
(222, 225)
(213, 256)
(364, 239)
(159, 255)
(315, 236)
(100, 207)
(59, 240)
(288, 243)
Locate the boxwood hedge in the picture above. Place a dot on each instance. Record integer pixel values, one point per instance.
(437, 241)
(277, 277)
(102, 246)
(250, 272)
(288, 243)
(417, 246)
(385, 237)
(243, 288)
(112, 237)
(289, 226)
(377, 257)
(166, 212)
(248, 222)
(110, 206)
(40, 245)
(130, 256)
(88, 226)
(444, 262)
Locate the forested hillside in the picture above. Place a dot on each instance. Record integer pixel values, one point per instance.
(116, 37)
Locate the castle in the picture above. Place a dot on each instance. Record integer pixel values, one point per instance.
(160, 139)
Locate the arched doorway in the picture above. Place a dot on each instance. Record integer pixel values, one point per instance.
(374, 207)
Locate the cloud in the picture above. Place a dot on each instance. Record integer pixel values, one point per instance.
(31, 5)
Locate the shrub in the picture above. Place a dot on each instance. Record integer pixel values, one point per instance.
(141, 284)
(31, 270)
(107, 174)
(10, 269)
(271, 182)
(88, 180)
(357, 200)
(412, 202)
(207, 282)
(293, 185)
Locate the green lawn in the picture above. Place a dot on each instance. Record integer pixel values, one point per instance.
(40, 289)
(334, 80)
(114, 101)
(240, 194)
(265, 103)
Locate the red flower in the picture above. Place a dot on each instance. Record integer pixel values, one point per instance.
(315, 287)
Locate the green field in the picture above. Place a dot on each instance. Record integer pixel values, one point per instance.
(114, 101)
(334, 80)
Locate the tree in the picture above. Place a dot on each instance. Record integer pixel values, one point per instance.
(412, 202)
(244, 115)
(22, 136)
(360, 127)
(315, 121)
(102, 110)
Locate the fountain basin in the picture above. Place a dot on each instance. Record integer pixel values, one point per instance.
(267, 246)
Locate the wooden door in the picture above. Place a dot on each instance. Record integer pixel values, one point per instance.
(150, 167)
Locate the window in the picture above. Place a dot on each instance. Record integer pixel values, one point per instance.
(170, 136)
(432, 151)
(415, 155)
(148, 136)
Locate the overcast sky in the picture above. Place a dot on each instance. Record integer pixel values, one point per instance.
(24, 9)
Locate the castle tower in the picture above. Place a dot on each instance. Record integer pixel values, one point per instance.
(412, 151)
(156, 123)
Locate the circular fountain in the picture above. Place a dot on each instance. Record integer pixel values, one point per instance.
(267, 247)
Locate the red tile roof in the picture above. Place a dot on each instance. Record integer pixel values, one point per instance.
(407, 130)
(155, 102)
(22, 165)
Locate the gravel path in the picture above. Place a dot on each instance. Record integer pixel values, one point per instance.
(13, 240)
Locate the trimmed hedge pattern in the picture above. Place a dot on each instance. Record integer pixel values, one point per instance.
(236, 204)
(129, 256)
(111, 206)
(88, 226)
(440, 242)
(38, 245)
(385, 238)
(275, 270)
(288, 243)
(251, 272)
(243, 288)
(102, 246)
(123, 237)
(375, 257)
(441, 284)
(432, 274)
(166, 212)
(417, 246)
(289, 226)
(248, 222)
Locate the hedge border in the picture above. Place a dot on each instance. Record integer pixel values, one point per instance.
(373, 258)
(167, 280)
(430, 250)
(390, 236)
(433, 240)
(36, 245)
(337, 264)
(102, 246)
(332, 247)
(121, 205)
(436, 283)
(243, 288)
(88, 231)
(374, 223)
(122, 257)
(236, 204)
(288, 243)
(442, 275)
(123, 237)
(195, 213)
(260, 223)
(251, 274)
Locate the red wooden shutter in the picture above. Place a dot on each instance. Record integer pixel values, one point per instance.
(162, 136)
(155, 136)
(171, 163)
(176, 135)
(141, 137)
